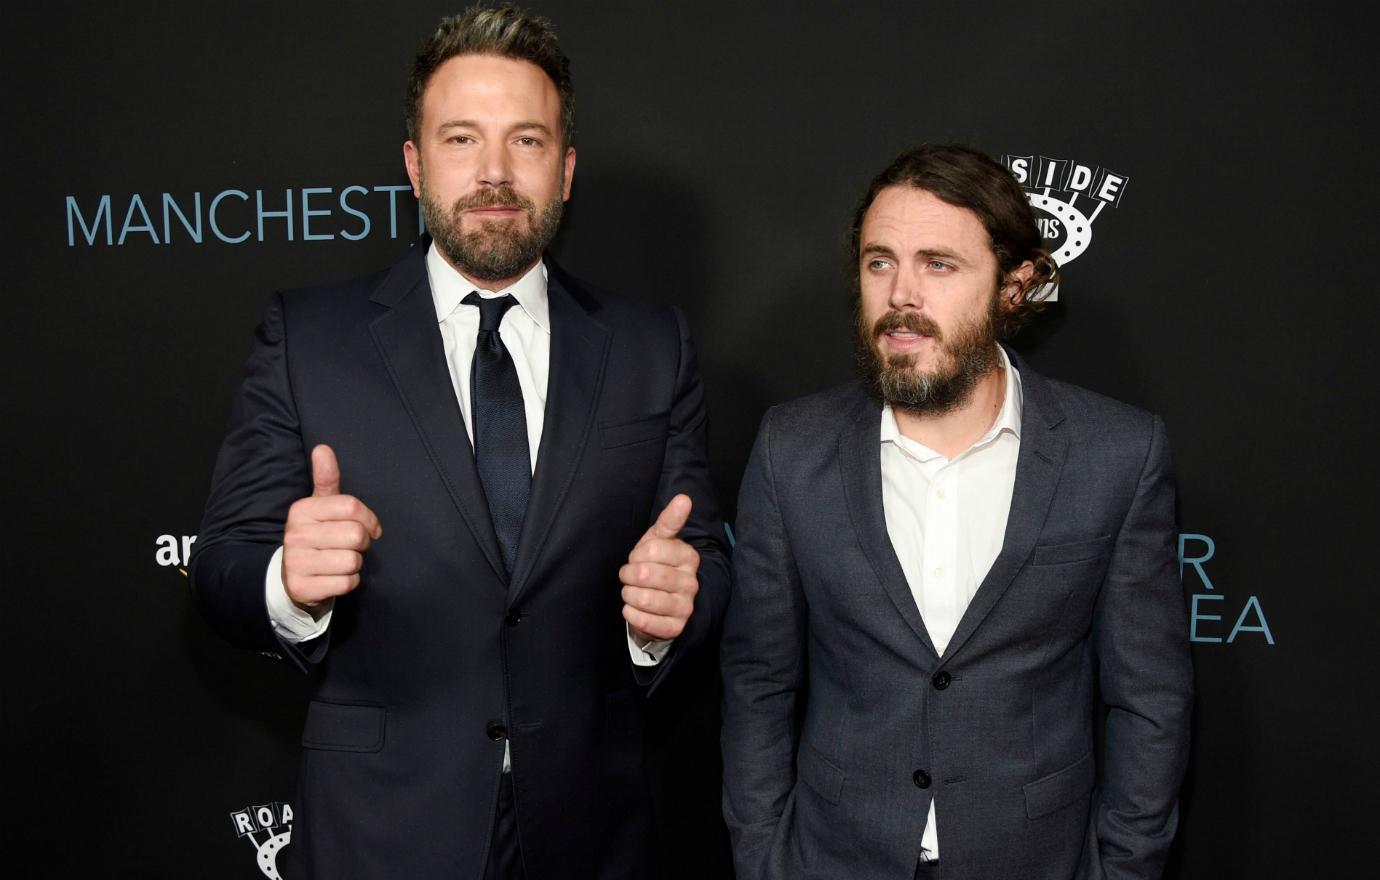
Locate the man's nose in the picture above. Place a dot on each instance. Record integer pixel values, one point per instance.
(495, 167)
(908, 291)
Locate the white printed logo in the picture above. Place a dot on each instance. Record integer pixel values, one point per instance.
(264, 820)
(1054, 187)
(174, 550)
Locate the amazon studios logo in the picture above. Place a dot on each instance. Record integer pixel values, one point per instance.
(1067, 197)
(173, 551)
(234, 216)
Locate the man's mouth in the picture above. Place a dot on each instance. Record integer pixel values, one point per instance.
(906, 331)
(493, 204)
(902, 341)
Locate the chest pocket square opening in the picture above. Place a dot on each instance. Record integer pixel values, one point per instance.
(1079, 551)
(637, 431)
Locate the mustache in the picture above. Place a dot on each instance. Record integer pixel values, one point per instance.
(911, 321)
(493, 197)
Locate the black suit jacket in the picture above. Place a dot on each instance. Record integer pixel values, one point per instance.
(841, 720)
(437, 658)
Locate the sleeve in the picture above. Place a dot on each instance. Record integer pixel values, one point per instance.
(763, 660)
(260, 471)
(685, 468)
(647, 654)
(1140, 635)
(290, 623)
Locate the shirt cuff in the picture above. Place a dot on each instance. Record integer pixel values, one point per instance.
(292, 624)
(650, 654)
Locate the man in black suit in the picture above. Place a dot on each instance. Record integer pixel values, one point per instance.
(435, 480)
(938, 567)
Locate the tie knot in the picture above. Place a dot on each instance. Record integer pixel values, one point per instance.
(491, 310)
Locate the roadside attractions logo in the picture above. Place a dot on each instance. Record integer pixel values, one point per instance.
(1067, 196)
(272, 821)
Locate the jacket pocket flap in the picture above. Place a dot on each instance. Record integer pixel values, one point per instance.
(1061, 788)
(1055, 554)
(343, 727)
(821, 775)
(636, 431)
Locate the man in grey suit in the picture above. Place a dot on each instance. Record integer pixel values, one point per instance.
(938, 570)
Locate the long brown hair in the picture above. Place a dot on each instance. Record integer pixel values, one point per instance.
(966, 178)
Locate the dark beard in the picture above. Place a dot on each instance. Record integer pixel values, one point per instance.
(498, 249)
(968, 357)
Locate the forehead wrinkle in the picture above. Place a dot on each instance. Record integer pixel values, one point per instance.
(943, 254)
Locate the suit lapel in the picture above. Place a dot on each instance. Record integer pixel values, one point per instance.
(409, 341)
(860, 459)
(1038, 467)
(579, 351)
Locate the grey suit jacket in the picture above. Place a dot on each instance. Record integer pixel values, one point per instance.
(841, 722)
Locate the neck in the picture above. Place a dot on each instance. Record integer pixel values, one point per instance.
(951, 433)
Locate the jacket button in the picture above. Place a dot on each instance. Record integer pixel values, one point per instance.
(496, 731)
(921, 779)
(513, 618)
(941, 680)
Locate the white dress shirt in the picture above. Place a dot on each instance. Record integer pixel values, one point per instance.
(946, 518)
(526, 333)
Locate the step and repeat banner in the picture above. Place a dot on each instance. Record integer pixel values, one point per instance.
(1204, 173)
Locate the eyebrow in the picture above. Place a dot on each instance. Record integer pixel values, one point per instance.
(924, 254)
(526, 125)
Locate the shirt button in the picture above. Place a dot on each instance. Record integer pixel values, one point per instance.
(939, 493)
(495, 731)
(939, 572)
(921, 779)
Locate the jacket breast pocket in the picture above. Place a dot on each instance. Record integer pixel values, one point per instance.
(1079, 551)
(638, 430)
(1061, 788)
(344, 727)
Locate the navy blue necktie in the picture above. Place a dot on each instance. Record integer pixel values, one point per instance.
(500, 427)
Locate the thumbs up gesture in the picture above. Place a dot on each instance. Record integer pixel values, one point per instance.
(660, 579)
(325, 537)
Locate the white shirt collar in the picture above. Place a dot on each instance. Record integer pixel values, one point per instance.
(449, 288)
(1008, 418)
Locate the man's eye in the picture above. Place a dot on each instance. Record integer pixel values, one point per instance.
(460, 139)
(529, 142)
(939, 266)
(878, 265)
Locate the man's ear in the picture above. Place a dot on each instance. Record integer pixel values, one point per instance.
(1016, 285)
(412, 158)
(569, 161)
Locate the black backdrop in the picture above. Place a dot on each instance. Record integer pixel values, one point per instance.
(721, 147)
